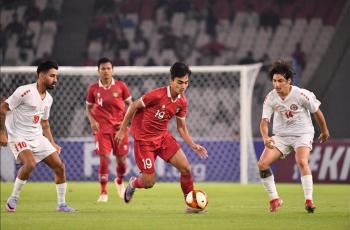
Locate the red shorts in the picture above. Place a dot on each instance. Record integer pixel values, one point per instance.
(147, 151)
(105, 143)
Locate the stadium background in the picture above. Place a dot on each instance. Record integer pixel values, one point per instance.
(200, 32)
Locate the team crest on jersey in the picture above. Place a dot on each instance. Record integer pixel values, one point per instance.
(115, 94)
(293, 107)
(163, 106)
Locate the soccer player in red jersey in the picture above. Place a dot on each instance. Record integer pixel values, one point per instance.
(150, 116)
(105, 107)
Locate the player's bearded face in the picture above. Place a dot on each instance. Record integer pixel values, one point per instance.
(51, 79)
(179, 84)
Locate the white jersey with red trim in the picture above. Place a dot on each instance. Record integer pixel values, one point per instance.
(292, 114)
(27, 110)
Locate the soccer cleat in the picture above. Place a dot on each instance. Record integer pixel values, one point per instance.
(103, 197)
(120, 188)
(190, 210)
(64, 208)
(309, 206)
(275, 204)
(129, 191)
(11, 204)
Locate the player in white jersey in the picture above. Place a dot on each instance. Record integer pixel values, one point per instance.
(292, 130)
(27, 133)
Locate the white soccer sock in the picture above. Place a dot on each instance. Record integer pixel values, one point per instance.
(18, 187)
(270, 186)
(61, 193)
(307, 183)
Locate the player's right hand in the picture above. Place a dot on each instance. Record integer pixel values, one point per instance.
(119, 136)
(269, 143)
(323, 137)
(3, 138)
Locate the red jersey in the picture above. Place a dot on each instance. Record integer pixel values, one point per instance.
(151, 122)
(108, 104)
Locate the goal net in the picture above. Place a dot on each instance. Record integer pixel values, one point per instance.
(219, 117)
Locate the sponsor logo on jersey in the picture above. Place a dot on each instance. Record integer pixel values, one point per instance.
(293, 107)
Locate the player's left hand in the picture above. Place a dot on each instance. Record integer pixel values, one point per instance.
(201, 151)
(57, 147)
(323, 137)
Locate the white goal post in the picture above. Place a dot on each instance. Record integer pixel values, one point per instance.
(219, 108)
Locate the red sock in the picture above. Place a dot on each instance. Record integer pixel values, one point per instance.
(186, 182)
(103, 179)
(138, 183)
(103, 173)
(121, 169)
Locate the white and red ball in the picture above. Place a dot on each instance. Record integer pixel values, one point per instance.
(197, 199)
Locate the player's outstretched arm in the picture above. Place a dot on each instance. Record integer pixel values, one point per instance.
(183, 131)
(4, 108)
(321, 121)
(133, 107)
(45, 125)
(264, 130)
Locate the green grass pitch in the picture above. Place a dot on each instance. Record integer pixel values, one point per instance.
(231, 206)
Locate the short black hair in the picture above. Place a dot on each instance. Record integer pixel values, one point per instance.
(282, 68)
(46, 66)
(179, 69)
(104, 60)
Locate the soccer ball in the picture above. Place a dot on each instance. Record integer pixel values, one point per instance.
(197, 199)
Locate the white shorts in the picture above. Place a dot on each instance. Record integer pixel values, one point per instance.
(287, 144)
(40, 146)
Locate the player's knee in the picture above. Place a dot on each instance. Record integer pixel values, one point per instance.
(149, 185)
(302, 164)
(59, 169)
(30, 165)
(186, 170)
(149, 182)
(121, 160)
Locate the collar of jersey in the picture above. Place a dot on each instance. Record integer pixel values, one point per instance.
(169, 94)
(100, 84)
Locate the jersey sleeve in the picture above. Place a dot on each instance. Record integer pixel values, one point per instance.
(151, 98)
(47, 110)
(126, 92)
(15, 99)
(90, 99)
(183, 110)
(267, 107)
(310, 101)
